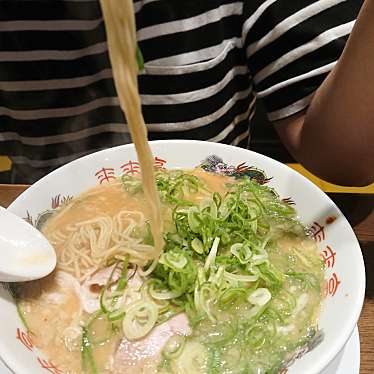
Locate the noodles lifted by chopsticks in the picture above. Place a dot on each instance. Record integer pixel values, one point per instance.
(121, 34)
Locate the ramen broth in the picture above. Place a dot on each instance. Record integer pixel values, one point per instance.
(255, 312)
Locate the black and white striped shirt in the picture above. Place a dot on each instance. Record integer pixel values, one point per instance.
(206, 62)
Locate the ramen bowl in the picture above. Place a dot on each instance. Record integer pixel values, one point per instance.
(345, 275)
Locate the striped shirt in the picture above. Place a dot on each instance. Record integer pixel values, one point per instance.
(206, 63)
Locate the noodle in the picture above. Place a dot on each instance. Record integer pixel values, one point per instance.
(90, 244)
(121, 34)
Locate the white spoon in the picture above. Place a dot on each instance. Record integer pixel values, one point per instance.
(25, 253)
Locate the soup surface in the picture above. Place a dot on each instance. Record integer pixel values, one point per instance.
(237, 288)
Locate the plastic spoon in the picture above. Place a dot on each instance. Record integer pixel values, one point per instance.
(25, 253)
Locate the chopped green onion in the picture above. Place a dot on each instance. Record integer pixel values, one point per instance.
(242, 252)
(139, 59)
(284, 304)
(260, 296)
(139, 320)
(161, 294)
(201, 276)
(240, 277)
(213, 210)
(256, 336)
(173, 347)
(204, 299)
(131, 185)
(212, 254)
(88, 362)
(22, 316)
(122, 282)
(232, 295)
(260, 259)
(223, 332)
(193, 220)
(217, 277)
(175, 260)
(93, 317)
(116, 315)
(197, 245)
(217, 199)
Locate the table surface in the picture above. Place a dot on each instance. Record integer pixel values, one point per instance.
(359, 210)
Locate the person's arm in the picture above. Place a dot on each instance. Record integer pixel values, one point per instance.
(334, 138)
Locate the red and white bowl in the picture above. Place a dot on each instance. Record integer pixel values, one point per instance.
(345, 273)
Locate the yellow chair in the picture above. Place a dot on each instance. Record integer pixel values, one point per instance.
(329, 187)
(5, 164)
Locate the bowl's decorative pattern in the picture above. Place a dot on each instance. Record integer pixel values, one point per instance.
(26, 339)
(328, 256)
(215, 164)
(131, 167)
(57, 201)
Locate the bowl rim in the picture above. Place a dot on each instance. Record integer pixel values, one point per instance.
(345, 331)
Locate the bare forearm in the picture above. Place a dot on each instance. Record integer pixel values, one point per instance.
(335, 139)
